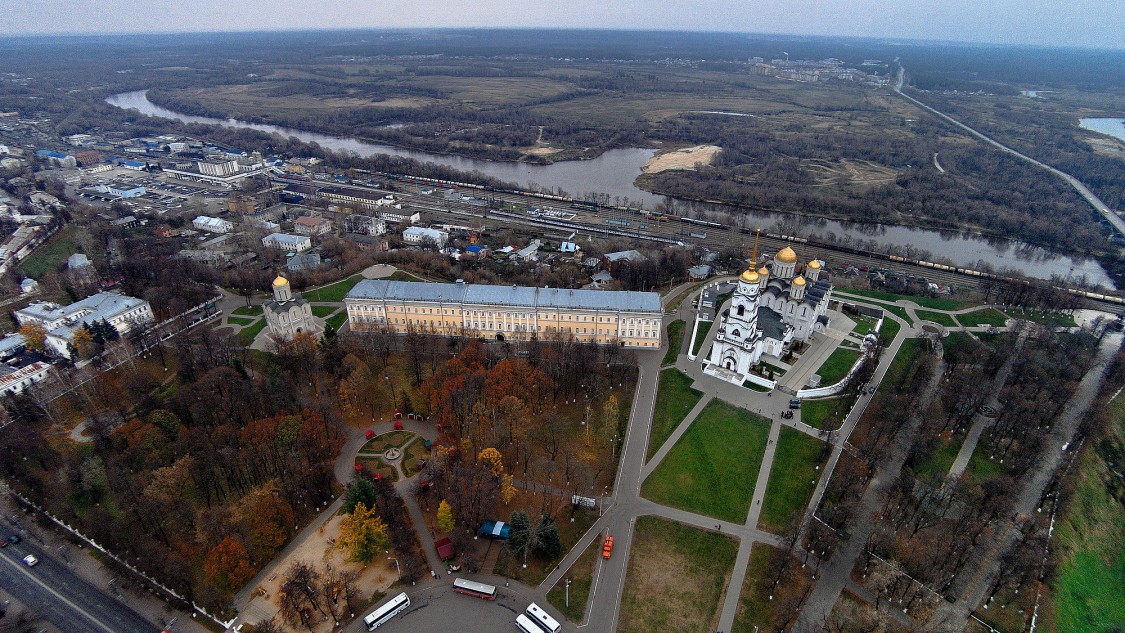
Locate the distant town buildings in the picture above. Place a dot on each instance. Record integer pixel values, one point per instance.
(61, 322)
(312, 225)
(630, 319)
(212, 225)
(287, 242)
(57, 159)
(365, 225)
(418, 235)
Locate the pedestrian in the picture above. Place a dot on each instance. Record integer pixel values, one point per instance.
(719, 526)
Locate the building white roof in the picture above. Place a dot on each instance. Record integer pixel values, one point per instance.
(423, 232)
(286, 238)
(104, 305)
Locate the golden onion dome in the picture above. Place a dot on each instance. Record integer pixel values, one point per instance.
(786, 256)
(798, 281)
(763, 272)
(280, 281)
(749, 276)
(814, 264)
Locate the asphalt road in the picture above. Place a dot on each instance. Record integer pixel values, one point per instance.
(61, 597)
(439, 609)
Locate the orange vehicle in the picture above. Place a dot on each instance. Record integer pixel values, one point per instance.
(607, 548)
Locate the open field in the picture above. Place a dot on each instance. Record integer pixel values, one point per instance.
(984, 316)
(792, 478)
(686, 158)
(934, 303)
(937, 466)
(940, 318)
(755, 610)
(323, 311)
(820, 413)
(247, 335)
(48, 257)
(248, 310)
(676, 578)
(674, 399)
(713, 468)
(675, 334)
(700, 335)
(332, 292)
(836, 366)
(1050, 319)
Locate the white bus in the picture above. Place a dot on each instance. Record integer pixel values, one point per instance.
(540, 617)
(525, 624)
(477, 589)
(383, 614)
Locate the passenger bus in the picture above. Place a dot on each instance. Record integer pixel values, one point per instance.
(525, 624)
(477, 589)
(540, 617)
(383, 614)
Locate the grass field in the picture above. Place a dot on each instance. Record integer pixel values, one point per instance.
(898, 311)
(713, 468)
(940, 318)
(934, 303)
(938, 464)
(818, 413)
(980, 466)
(674, 399)
(332, 292)
(675, 333)
(704, 328)
(836, 366)
(676, 577)
(889, 331)
(909, 350)
(1051, 319)
(247, 335)
(984, 316)
(243, 321)
(755, 609)
(1089, 589)
(70, 240)
(337, 321)
(863, 324)
(323, 311)
(581, 575)
(792, 478)
(248, 310)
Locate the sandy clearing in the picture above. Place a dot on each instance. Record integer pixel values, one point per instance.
(685, 158)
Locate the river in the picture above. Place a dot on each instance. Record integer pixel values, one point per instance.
(1112, 127)
(614, 172)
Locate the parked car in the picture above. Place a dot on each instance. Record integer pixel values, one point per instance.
(794, 404)
(14, 538)
(30, 560)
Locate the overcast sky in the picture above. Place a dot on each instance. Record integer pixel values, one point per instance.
(1099, 23)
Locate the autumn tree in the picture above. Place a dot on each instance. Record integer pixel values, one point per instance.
(228, 566)
(507, 489)
(445, 517)
(34, 335)
(363, 534)
(493, 460)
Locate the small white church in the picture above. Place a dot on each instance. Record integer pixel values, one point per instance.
(771, 307)
(287, 314)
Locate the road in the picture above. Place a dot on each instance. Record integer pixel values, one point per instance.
(62, 598)
(1102, 208)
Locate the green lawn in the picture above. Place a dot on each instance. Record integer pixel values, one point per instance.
(248, 334)
(755, 609)
(675, 333)
(713, 468)
(243, 321)
(907, 352)
(819, 413)
(323, 311)
(836, 366)
(333, 292)
(938, 464)
(382, 442)
(985, 316)
(1089, 589)
(898, 311)
(402, 275)
(940, 318)
(1051, 319)
(48, 256)
(863, 324)
(337, 321)
(889, 331)
(934, 303)
(248, 310)
(792, 478)
(675, 578)
(980, 466)
(674, 398)
(704, 328)
(581, 575)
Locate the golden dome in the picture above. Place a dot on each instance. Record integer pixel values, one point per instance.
(798, 281)
(749, 276)
(814, 264)
(764, 272)
(786, 256)
(280, 281)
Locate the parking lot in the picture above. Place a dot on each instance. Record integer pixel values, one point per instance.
(440, 610)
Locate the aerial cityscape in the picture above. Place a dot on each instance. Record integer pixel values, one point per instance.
(341, 320)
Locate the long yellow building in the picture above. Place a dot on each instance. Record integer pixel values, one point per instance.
(631, 319)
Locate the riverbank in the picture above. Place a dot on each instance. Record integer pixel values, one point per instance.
(681, 159)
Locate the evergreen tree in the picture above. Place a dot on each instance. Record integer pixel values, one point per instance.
(361, 491)
(519, 537)
(547, 544)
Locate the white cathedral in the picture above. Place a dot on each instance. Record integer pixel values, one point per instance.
(771, 307)
(288, 313)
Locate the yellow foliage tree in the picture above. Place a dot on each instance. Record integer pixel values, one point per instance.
(34, 335)
(82, 341)
(494, 459)
(445, 517)
(507, 489)
(363, 535)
